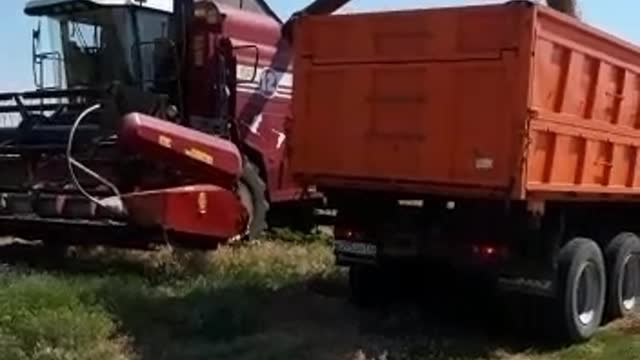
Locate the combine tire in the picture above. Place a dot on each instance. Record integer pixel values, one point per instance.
(252, 192)
(581, 291)
(623, 270)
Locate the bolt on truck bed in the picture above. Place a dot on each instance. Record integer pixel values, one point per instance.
(490, 100)
(512, 129)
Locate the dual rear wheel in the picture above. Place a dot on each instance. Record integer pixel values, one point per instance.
(595, 285)
(623, 270)
(581, 289)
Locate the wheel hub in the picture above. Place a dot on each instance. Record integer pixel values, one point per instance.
(630, 283)
(588, 290)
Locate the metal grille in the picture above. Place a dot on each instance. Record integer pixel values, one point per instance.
(9, 118)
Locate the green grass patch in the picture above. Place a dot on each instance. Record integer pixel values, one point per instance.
(169, 304)
(44, 317)
(620, 341)
(256, 301)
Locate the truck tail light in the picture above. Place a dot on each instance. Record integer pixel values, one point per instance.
(348, 233)
(490, 251)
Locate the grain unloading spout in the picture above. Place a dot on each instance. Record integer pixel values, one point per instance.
(568, 7)
(317, 7)
(327, 7)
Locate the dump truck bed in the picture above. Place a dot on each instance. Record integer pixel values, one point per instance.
(498, 100)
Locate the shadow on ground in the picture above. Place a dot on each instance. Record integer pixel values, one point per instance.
(240, 316)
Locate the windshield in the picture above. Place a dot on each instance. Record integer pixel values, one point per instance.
(97, 47)
(93, 46)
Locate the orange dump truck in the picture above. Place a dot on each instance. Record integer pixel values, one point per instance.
(501, 139)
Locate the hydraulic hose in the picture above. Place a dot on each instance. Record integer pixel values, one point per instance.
(116, 204)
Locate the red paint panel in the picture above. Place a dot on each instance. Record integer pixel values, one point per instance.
(207, 157)
(202, 210)
(263, 119)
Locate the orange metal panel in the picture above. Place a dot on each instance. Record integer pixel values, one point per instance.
(512, 98)
(423, 97)
(586, 97)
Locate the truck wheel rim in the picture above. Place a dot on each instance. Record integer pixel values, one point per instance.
(587, 291)
(630, 282)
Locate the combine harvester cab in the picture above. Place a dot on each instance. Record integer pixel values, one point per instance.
(150, 123)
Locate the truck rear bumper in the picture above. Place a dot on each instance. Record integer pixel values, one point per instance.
(510, 274)
(348, 253)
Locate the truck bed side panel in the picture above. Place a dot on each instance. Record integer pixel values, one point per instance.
(585, 132)
(413, 99)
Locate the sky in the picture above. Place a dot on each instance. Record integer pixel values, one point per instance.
(15, 27)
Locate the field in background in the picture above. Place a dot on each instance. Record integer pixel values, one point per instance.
(278, 299)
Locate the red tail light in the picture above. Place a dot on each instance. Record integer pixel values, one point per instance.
(490, 251)
(348, 233)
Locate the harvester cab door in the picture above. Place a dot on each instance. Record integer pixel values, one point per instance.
(211, 71)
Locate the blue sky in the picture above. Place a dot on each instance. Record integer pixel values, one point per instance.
(15, 28)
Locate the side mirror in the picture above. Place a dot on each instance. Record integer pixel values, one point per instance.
(36, 32)
(35, 46)
(249, 75)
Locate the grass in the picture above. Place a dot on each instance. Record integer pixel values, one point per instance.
(277, 299)
(42, 317)
(620, 341)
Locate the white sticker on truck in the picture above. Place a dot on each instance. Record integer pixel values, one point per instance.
(484, 163)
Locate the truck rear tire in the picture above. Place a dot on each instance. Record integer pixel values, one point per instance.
(253, 194)
(623, 276)
(581, 290)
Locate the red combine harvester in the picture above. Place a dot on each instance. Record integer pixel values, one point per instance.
(151, 121)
